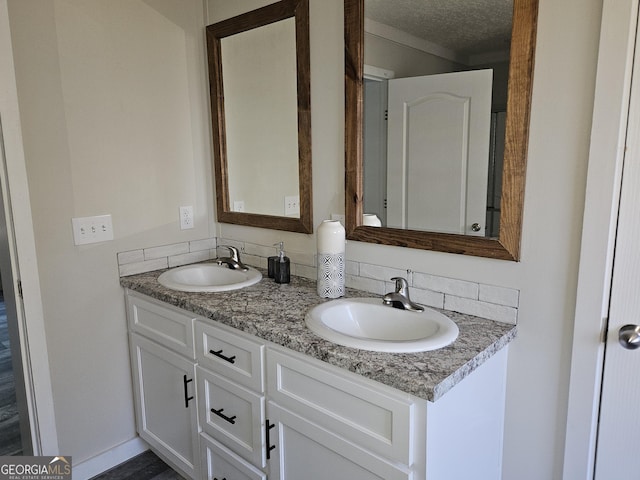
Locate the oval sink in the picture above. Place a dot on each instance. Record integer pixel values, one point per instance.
(208, 277)
(367, 324)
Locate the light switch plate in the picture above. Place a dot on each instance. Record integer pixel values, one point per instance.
(92, 229)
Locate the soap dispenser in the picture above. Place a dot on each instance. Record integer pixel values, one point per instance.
(283, 267)
(271, 261)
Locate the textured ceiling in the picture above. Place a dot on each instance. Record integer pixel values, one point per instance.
(468, 27)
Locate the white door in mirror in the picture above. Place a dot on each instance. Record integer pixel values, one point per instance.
(439, 128)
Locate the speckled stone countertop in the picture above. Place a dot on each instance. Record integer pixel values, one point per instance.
(275, 312)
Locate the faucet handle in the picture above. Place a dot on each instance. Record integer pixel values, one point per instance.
(402, 286)
(233, 252)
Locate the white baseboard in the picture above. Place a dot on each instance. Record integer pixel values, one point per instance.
(109, 459)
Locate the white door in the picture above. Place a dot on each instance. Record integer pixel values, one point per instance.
(618, 443)
(438, 152)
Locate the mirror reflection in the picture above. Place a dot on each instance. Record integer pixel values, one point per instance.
(449, 108)
(435, 97)
(261, 117)
(259, 74)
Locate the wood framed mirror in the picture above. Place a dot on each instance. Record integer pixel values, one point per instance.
(259, 79)
(506, 244)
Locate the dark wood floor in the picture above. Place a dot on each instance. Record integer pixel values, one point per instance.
(9, 423)
(145, 466)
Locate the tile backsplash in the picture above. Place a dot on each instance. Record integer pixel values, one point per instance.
(166, 256)
(488, 301)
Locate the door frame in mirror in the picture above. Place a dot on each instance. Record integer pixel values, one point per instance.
(507, 245)
(298, 9)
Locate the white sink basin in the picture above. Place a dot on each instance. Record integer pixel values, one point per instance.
(208, 277)
(367, 324)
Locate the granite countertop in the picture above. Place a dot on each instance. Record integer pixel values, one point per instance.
(275, 312)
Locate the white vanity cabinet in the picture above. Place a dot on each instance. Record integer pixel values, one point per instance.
(265, 411)
(163, 367)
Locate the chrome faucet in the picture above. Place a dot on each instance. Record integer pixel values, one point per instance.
(233, 260)
(400, 298)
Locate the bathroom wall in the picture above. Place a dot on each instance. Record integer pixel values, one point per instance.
(113, 98)
(114, 106)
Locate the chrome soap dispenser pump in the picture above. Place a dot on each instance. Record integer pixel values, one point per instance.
(282, 272)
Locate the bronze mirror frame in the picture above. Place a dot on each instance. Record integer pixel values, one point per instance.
(299, 9)
(507, 245)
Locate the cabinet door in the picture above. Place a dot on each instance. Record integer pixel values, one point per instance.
(166, 413)
(299, 449)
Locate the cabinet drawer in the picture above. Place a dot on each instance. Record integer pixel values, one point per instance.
(232, 414)
(233, 355)
(219, 462)
(167, 325)
(377, 419)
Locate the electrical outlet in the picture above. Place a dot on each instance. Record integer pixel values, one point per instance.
(186, 217)
(292, 205)
(92, 229)
(238, 206)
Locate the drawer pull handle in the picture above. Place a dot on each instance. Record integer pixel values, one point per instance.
(231, 420)
(267, 435)
(218, 354)
(216, 478)
(185, 382)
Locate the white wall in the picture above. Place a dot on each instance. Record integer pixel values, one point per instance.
(98, 140)
(402, 60)
(113, 99)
